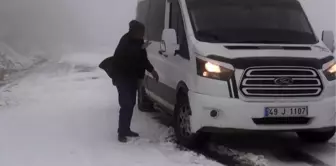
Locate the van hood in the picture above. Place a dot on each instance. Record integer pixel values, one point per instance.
(233, 51)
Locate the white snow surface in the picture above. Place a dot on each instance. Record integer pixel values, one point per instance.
(66, 113)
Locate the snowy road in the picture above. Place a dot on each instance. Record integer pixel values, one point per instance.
(65, 114)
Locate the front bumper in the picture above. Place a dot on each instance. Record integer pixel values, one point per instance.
(238, 114)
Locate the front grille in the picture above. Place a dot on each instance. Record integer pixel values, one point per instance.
(282, 121)
(281, 82)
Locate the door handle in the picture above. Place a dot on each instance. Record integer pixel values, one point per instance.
(162, 53)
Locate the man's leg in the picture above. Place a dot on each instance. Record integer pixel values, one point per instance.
(127, 99)
(132, 102)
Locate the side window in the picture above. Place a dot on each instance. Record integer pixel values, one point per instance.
(176, 22)
(156, 19)
(152, 14)
(141, 11)
(174, 13)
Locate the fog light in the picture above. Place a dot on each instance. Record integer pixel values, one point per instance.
(214, 113)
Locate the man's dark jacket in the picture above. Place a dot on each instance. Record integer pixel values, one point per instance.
(129, 62)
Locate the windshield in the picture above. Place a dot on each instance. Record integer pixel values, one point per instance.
(250, 21)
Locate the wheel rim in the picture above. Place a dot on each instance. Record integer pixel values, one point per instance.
(184, 121)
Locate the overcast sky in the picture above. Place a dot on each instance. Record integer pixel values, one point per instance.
(57, 24)
(321, 13)
(89, 24)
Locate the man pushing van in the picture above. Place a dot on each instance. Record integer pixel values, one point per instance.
(127, 69)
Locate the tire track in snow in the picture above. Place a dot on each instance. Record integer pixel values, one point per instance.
(212, 151)
(290, 154)
(293, 150)
(324, 152)
(224, 149)
(227, 156)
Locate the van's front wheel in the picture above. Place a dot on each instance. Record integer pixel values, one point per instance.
(182, 126)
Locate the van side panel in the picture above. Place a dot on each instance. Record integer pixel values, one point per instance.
(180, 68)
(155, 15)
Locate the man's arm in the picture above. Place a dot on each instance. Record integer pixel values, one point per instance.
(148, 66)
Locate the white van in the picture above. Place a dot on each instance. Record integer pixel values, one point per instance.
(239, 64)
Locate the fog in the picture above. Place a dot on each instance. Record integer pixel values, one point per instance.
(321, 14)
(58, 26)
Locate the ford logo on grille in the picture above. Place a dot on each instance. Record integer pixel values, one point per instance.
(283, 81)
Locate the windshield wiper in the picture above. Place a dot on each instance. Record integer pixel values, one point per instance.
(208, 34)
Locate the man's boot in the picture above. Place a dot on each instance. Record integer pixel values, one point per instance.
(132, 134)
(122, 138)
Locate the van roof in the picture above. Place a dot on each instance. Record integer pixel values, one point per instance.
(280, 3)
(247, 2)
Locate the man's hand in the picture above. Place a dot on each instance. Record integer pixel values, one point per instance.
(146, 44)
(155, 75)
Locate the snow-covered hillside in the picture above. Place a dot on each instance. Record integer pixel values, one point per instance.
(11, 60)
(14, 65)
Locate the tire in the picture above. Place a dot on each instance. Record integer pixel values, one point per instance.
(317, 136)
(144, 103)
(182, 126)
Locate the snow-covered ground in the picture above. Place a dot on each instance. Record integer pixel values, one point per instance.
(65, 114)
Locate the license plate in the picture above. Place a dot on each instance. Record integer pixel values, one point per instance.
(286, 111)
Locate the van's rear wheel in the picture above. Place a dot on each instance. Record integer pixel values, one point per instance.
(144, 103)
(182, 126)
(317, 136)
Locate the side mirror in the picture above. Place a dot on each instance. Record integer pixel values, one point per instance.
(169, 42)
(328, 39)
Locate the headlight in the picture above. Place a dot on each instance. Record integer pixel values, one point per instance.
(212, 67)
(330, 73)
(213, 71)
